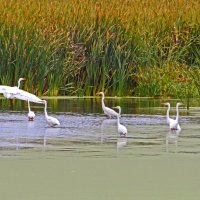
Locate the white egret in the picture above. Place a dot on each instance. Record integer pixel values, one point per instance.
(122, 130)
(50, 120)
(31, 114)
(15, 92)
(108, 111)
(173, 123)
(9, 92)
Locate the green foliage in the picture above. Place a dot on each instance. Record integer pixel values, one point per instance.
(78, 47)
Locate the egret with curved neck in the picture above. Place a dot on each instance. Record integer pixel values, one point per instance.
(108, 111)
(173, 124)
(177, 115)
(122, 130)
(167, 114)
(50, 120)
(31, 114)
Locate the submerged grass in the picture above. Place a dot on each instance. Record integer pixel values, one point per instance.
(76, 47)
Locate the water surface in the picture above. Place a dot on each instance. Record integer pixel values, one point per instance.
(84, 157)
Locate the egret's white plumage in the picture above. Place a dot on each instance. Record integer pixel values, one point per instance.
(31, 114)
(50, 120)
(122, 130)
(173, 123)
(15, 92)
(8, 92)
(108, 111)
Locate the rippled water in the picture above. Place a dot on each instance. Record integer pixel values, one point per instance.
(84, 157)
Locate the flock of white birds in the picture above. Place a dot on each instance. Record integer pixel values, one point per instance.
(122, 130)
(15, 92)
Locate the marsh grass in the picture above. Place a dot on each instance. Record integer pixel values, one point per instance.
(78, 47)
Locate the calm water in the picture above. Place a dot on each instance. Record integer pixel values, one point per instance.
(84, 157)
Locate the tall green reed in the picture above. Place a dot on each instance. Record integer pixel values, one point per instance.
(81, 47)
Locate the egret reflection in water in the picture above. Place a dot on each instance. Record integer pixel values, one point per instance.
(121, 142)
(172, 138)
(51, 134)
(107, 128)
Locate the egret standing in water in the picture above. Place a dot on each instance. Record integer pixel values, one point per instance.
(50, 120)
(122, 130)
(173, 123)
(108, 111)
(31, 114)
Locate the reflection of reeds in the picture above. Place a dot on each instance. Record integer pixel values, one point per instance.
(82, 47)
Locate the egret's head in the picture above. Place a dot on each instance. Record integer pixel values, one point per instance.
(100, 93)
(117, 107)
(179, 104)
(22, 79)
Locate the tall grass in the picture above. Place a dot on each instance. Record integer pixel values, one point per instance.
(83, 46)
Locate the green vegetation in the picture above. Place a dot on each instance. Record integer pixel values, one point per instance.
(123, 47)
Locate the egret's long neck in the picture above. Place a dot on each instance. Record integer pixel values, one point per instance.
(19, 83)
(177, 113)
(120, 110)
(102, 102)
(29, 109)
(45, 109)
(167, 115)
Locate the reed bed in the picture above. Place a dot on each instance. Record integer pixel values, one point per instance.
(79, 47)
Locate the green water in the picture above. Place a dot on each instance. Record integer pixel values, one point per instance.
(85, 158)
(57, 176)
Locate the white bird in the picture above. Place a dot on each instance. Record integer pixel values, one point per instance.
(15, 92)
(31, 114)
(9, 92)
(50, 120)
(173, 123)
(108, 111)
(122, 130)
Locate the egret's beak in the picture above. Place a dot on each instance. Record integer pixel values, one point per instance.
(114, 107)
(23, 79)
(98, 93)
